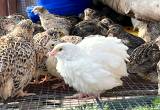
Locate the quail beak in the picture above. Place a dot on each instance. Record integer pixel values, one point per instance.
(52, 53)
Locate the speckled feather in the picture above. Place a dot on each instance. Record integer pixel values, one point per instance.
(17, 59)
(43, 38)
(71, 39)
(49, 21)
(90, 14)
(143, 61)
(42, 47)
(7, 24)
(91, 27)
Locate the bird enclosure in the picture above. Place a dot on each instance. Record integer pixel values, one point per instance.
(136, 93)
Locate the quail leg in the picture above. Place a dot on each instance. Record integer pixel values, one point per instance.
(22, 93)
(54, 79)
(46, 78)
(36, 81)
(60, 84)
(81, 96)
(100, 105)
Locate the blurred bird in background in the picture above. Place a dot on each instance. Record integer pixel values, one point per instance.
(144, 59)
(49, 21)
(148, 30)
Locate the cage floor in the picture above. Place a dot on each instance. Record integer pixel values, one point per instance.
(134, 92)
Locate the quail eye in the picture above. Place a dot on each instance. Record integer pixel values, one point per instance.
(52, 45)
(60, 49)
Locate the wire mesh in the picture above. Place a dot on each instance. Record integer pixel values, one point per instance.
(134, 92)
(23, 4)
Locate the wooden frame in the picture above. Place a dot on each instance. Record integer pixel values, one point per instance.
(8, 7)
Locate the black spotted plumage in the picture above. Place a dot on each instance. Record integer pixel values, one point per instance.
(144, 59)
(49, 20)
(91, 27)
(40, 42)
(86, 28)
(8, 23)
(17, 60)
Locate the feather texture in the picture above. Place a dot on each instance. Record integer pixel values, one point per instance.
(49, 20)
(97, 63)
(17, 59)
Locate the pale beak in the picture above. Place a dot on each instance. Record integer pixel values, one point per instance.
(52, 53)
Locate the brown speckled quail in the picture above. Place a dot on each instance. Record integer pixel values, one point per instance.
(41, 40)
(49, 20)
(104, 25)
(144, 59)
(16, 17)
(37, 28)
(71, 39)
(90, 14)
(91, 27)
(8, 23)
(93, 23)
(86, 28)
(17, 60)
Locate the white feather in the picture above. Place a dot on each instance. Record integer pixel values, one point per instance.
(96, 65)
(51, 63)
(110, 52)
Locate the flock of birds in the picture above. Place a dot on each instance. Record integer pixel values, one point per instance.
(91, 53)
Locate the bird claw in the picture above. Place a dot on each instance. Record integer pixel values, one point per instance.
(40, 82)
(24, 93)
(81, 96)
(43, 80)
(53, 79)
(62, 85)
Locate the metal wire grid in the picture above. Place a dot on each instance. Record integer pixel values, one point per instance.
(134, 85)
(130, 103)
(23, 4)
(119, 98)
(50, 103)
